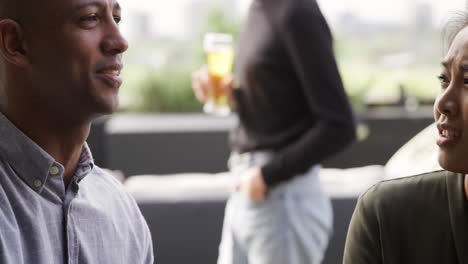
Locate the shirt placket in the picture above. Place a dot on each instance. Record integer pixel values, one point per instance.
(71, 237)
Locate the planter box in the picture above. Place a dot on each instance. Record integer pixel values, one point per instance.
(175, 143)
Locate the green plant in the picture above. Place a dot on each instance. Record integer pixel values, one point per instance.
(216, 20)
(168, 90)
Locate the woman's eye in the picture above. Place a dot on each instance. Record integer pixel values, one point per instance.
(465, 80)
(117, 19)
(443, 79)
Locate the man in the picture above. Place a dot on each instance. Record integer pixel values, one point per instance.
(59, 70)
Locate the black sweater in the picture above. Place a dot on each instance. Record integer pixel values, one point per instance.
(289, 95)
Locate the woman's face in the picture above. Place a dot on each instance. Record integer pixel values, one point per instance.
(451, 107)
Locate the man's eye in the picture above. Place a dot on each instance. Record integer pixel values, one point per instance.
(90, 18)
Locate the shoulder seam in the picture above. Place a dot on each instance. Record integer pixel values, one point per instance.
(399, 179)
(412, 176)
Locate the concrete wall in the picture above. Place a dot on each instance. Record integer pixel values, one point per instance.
(389, 128)
(174, 143)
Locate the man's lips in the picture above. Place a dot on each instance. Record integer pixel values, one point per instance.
(111, 72)
(111, 75)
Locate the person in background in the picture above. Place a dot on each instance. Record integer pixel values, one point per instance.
(59, 70)
(293, 114)
(423, 218)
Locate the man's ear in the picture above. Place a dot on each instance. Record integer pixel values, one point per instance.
(12, 43)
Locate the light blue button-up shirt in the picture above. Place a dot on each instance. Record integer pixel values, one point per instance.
(94, 220)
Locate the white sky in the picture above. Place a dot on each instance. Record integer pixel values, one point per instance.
(169, 14)
(388, 10)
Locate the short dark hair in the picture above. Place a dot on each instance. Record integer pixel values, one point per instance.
(19, 10)
(457, 22)
(9, 9)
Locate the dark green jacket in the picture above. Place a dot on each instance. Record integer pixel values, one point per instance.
(418, 219)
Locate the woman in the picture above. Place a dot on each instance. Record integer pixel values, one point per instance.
(293, 113)
(424, 218)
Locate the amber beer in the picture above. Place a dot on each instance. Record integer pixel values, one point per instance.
(220, 57)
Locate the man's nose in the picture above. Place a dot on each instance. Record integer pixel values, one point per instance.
(114, 43)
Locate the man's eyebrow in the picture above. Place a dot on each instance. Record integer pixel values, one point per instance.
(84, 5)
(97, 4)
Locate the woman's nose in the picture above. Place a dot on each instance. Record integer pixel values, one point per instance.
(447, 101)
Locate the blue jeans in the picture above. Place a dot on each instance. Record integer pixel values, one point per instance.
(291, 226)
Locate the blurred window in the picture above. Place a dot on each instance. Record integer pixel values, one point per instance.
(388, 51)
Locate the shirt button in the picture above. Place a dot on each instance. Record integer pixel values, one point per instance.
(54, 170)
(37, 183)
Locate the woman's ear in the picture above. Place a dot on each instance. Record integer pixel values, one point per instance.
(12, 43)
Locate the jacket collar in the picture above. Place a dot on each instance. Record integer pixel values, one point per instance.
(458, 210)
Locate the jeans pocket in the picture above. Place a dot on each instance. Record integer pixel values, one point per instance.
(249, 203)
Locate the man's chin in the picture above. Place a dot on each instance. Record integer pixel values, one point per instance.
(111, 109)
(107, 105)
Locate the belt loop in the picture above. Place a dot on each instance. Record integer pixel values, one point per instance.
(250, 158)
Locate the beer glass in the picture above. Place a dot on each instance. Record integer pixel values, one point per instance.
(220, 55)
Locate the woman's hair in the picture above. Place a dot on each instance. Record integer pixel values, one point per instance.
(455, 24)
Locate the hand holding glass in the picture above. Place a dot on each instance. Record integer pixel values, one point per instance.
(220, 56)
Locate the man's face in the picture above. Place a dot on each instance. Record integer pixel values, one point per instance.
(76, 51)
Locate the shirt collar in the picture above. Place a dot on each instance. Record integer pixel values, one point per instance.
(33, 164)
(85, 163)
